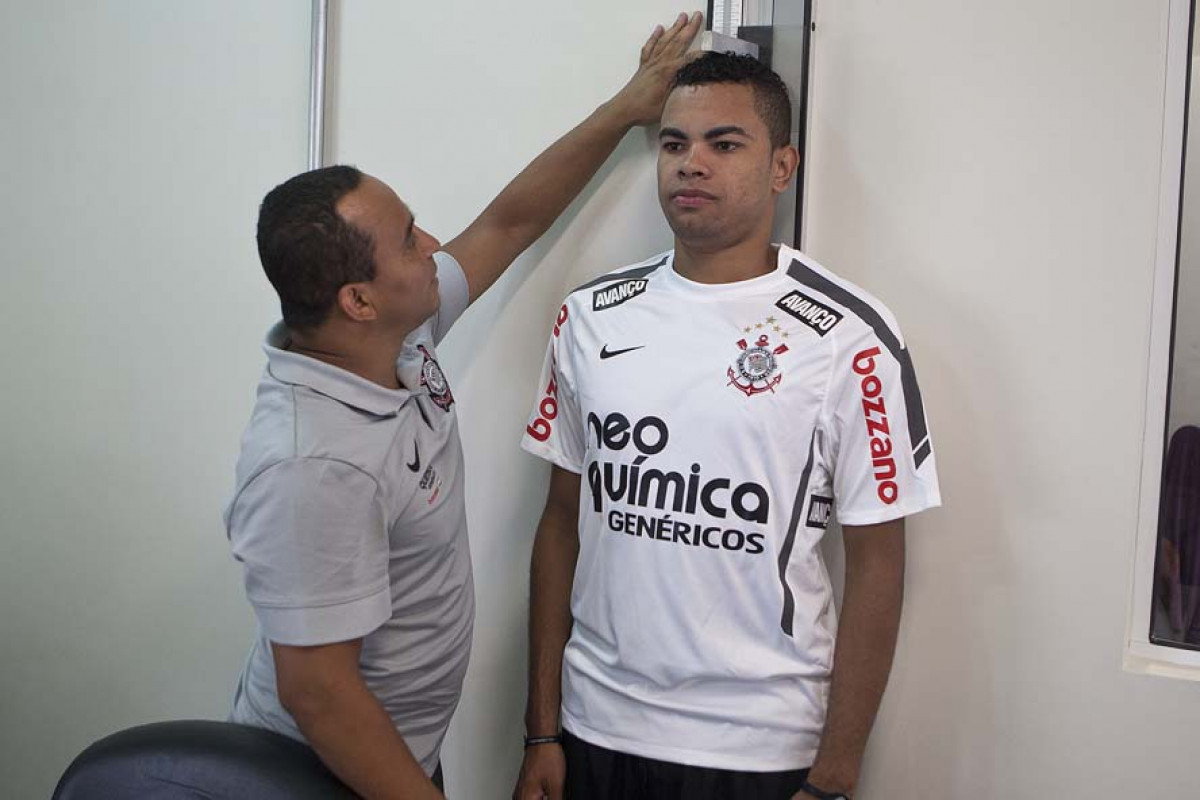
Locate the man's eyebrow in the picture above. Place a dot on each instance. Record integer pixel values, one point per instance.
(408, 232)
(726, 130)
(715, 133)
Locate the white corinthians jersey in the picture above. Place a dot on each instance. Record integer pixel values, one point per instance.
(716, 428)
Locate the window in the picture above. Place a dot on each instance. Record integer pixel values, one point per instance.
(1164, 624)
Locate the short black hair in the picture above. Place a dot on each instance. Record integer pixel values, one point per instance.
(307, 250)
(771, 99)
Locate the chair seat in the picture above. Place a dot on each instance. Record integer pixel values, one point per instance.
(198, 759)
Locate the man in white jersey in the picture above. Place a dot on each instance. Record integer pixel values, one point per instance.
(706, 412)
(348, 513)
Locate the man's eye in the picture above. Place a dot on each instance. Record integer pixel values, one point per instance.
(672, 147)
(726, 147)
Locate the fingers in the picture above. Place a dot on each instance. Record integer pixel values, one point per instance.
(676, 40)
(537, 790)
(678, 24)
(538, 781)
(692, 28)
(527, 790)
(672, 43)
(651, 43)
(654, 43)
(671, 35)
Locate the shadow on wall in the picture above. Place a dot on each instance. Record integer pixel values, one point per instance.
(942, 693)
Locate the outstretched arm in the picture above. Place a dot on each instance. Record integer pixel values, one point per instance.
(528, 206)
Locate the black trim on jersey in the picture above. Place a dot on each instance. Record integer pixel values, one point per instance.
(922, 452)
(629, 274)
(785, 552)
(917, 430)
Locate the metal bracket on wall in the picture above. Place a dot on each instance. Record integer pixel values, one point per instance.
(316, 95)
(720, 43)
(761, 35)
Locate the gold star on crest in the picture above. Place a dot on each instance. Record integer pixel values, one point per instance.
(771, 321)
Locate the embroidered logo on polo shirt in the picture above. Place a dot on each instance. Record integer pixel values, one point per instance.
(605, 353)
(434, 379)
(431, 480)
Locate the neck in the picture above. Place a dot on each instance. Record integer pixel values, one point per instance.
(738, 262)
(367, 356)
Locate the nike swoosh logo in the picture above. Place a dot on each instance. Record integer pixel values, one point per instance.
(416, 465)
(606, 353)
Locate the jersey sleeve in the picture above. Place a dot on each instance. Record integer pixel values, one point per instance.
(453, 293)
(555, 430)
(879, 444)
(312, 538)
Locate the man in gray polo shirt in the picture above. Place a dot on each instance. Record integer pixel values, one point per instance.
(348, 514)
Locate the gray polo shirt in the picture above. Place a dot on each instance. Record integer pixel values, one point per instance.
(349, 522)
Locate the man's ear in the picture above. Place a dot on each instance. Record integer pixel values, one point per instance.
(354, 300)
(784, 162)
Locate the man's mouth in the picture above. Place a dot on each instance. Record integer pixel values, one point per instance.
(691, 198)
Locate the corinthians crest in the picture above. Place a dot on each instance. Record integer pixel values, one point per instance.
(433, 379)
(756, 368)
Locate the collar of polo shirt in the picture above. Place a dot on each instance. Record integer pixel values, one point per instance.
(335, 382)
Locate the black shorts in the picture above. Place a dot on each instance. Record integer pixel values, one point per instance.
(594, 773)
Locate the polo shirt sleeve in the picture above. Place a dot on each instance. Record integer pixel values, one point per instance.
(453, 292)
(879, 445)
(311, 534)
(555, 430)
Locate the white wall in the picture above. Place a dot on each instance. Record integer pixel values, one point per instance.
(991, 171)
(138, 137)
(1185, 376)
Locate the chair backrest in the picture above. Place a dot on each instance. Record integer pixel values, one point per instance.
(198, 759)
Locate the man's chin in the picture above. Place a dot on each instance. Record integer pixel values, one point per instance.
(689, 229)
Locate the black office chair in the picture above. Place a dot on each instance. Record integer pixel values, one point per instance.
(194, 759)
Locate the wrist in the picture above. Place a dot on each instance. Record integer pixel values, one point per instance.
(542, 720)
(617, 115)
(832, 779)
(544, 739)
(809, 789)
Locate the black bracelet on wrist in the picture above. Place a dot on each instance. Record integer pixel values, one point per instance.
(530, 741)
(821, 794)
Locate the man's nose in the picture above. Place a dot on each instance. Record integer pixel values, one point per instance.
(429, 243)
(693, 163)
